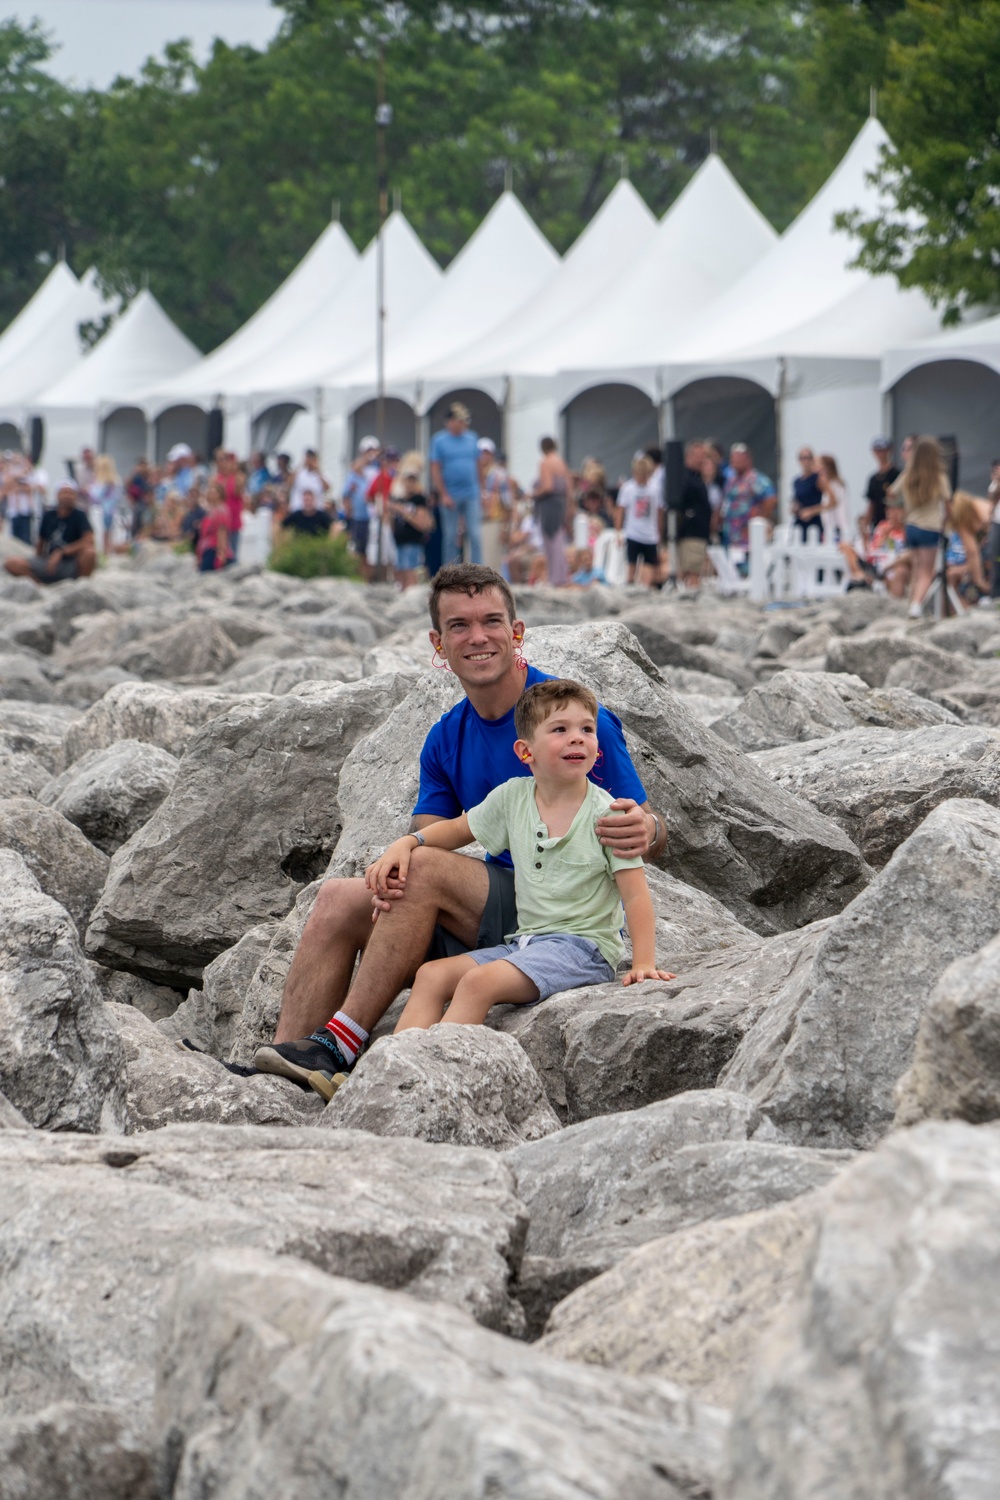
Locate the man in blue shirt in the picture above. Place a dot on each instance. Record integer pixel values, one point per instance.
(454, 459)
(452, 904)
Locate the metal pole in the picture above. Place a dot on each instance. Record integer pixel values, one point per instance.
(383, 118)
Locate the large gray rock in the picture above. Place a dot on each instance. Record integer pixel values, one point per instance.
(262, 996)
(64, 862)
(21, 775)
(772, 859)
(109, 794)
(692, 1306)
(425, 1403)
(251, 819)
(155, 1001)
(148, 712)
(823, 1063)
(797, 706)
(78, 1322)
(37, 729)
(872, 656)
(165, 1085)
(210, 1017)
(956, 1061)
(22, 677)
(11, 1118)
(75, 1451)
(607, 1048)
(598, 1189)
(466, 1085)
(60, 1058)
(882, 1378)
(197, 648)
(879, 784)
(279, 676)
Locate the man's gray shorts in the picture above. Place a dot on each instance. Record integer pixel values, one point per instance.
(499, 917)
(553, 961)
(65, 568)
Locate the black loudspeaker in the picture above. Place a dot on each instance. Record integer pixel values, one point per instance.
(949, 456)
(216, 429)
(37, 439)
(673, 469)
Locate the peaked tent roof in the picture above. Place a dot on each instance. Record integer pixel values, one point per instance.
(53, 349)
(504, 263)
(979, 342)
(318, 276)
(57, 289)
(140, 347)
(806, 281)
(342, 328)
(603, 252)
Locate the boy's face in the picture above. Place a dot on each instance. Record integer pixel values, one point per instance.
(477, 638)
(563, 747)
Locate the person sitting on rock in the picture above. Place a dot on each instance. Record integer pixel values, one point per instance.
(310, 520)
(569, 889)
(451, 904)
(65, 547)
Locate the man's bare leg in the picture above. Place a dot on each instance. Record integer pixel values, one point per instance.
(338, 928)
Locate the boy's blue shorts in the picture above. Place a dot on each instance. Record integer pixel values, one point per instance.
(553, 961)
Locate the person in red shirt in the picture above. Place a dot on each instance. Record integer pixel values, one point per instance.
(381, 547)
(213, 550)
(230, 476)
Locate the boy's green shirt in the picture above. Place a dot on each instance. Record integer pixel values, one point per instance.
(560, 885)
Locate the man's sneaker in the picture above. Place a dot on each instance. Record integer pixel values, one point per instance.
(317, 1061)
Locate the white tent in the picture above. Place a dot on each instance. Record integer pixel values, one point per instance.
(949, 385)
(317, 277)
(44, 342)
(99, 395)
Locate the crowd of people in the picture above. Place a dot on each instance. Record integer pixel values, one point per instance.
(404, 516)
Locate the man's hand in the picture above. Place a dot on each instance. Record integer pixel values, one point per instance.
(625, 829)
(636, 976)
(54, 560)
(447, 501)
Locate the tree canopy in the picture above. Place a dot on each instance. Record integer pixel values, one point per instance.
(212, 179)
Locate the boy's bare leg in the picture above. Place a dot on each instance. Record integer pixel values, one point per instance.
(338, 928)
(432, 989)
(486, 985)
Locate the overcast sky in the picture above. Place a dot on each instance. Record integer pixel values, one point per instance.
(99, 38)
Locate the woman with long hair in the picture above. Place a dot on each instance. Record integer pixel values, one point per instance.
(926, 492)
(834, 511)
(105, 493)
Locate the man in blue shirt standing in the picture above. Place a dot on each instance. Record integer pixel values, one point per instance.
(452, 904)
(455, 475)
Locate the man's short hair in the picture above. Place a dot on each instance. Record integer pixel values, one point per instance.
(458, 412)
(548, 445)
(471, 579)
(541, 700)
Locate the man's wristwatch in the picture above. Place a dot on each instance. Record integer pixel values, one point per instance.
(656, 829)
(419, 838)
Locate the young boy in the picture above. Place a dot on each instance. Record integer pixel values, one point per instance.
(569, 889)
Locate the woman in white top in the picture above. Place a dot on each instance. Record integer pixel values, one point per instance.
(838, 525)
(640, 502)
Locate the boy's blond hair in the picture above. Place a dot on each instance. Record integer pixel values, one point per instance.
(538, 702)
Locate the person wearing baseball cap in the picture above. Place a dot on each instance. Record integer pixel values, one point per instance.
(885, 475)
(454, 460)
(65, 547)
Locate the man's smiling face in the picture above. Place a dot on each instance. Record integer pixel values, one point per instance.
(477, 636)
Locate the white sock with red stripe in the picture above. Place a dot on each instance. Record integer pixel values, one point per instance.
(349, 1036)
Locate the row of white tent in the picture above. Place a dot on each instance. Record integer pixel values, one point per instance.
(704, 323)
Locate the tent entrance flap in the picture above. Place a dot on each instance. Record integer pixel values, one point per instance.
(611, 423)
(955, 397)
(730, 410)
(123, 436)
(400, 424)
(487, 419)
(270, 427)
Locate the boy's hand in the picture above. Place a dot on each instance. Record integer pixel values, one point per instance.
(395, 859)
(625, 828)
(637, 975)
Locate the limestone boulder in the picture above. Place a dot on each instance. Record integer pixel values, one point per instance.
(955, 1073)
(109, 794)
(796, 706)
(21, 677)
(823, 1063)
(880, 784)
(11, 1118)
(21, 775)
(883, 1365)
(61, 1061)
(211, 1016)
(427, 1403)
(263, 990)
(62, 860)
(83, 689)
(692, 1306)
(941, 672)
(279, 676)
(149, 712)
(465, 1085)
(605, 1049)
(774, 863)
(195, 648)
(166, 1084)
(872, 655)
(37, 729)
(79, 1322)
(600, 1188)
(252, 817)
(154, 1001)
(75, 1451)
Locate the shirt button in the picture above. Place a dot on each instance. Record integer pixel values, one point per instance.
(538, 864)
(538, 849)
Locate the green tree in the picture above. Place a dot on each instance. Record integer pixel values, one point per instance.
(941, 106)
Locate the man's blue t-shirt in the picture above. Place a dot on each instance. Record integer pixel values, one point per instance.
(465, 757)
(458, 455)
